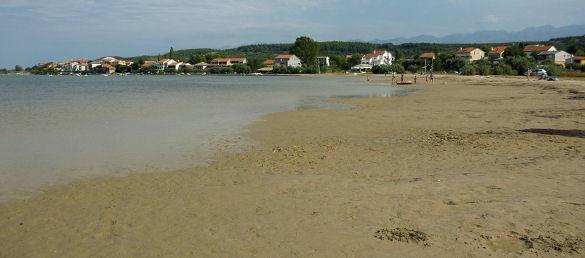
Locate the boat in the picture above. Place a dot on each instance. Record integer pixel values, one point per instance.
(404, 83)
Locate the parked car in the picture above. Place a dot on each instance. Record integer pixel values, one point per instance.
(539, 72)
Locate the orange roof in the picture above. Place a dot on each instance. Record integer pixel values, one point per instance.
(466, 50)
(283, 56)
(375, 53)
(498, 50)
(428, 55)
(269, 62)
(537, 48)
(238, 59)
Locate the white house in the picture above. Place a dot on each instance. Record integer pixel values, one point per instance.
(166, 63)
(556, 57)
(324, 60)
(470, 54)
(287, 60)
(75, 66)
(378, 57)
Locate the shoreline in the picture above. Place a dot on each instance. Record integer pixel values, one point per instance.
(451, 175)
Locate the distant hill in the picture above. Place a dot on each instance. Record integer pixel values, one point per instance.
(407, 50)
(541, 33)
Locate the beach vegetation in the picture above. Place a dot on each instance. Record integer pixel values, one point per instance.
(502, 69)
(242, 69)
(468, 69)
(385, 69)
(553, 69)
(221, 70)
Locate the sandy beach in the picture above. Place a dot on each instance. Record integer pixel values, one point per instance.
(467, 167)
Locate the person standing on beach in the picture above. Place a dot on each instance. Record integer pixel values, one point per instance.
(427, 78)
(432, 79)
(528, 74)
(415, 79)
(393, 78)
(401, 77)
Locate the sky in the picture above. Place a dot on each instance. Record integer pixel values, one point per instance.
(35, 31)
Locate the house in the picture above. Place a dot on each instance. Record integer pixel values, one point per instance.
(497, 53)
(529, 50)
(105, 69)
(378, 57)
(76, 66)
(362, 68)
(148, 64)
(324, 60)
(228, 61)
(165, 64)
(94, 64)
(201, 65)
(108, 60)
(556, 57)
(268, 66)
(578, 60)
(287, 60)
(470, 54)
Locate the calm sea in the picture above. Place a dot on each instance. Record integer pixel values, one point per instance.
(63, 128)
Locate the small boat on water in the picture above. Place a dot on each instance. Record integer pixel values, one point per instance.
(404, 83)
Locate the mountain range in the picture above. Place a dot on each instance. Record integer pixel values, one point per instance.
(542, 33)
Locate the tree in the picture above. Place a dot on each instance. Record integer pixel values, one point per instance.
(307, 50)
(515, 50)
(521, 64)
(171, 53)
(195, 59)
(17, 68)
(256, 63)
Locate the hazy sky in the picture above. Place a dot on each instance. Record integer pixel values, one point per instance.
(42, 30)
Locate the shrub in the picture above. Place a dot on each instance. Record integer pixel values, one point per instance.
(221, 70)
(242, 68)
(553, 70)
(468, 69)
(485, 69)
(502, 69)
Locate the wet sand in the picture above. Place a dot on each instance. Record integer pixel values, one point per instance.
(470, 166)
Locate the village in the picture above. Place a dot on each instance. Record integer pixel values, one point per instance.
(377, 61)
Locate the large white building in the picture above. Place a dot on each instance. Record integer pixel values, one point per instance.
(287, 60)
(378, 57)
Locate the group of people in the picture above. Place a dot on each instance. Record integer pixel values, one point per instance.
(428, 78)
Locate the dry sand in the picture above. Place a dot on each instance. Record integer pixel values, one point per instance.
(467, 167)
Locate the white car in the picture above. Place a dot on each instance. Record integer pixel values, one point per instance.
(539, 72)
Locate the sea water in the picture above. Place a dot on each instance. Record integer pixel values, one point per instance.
(62, 128)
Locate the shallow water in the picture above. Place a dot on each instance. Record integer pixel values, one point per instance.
(57, 129)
